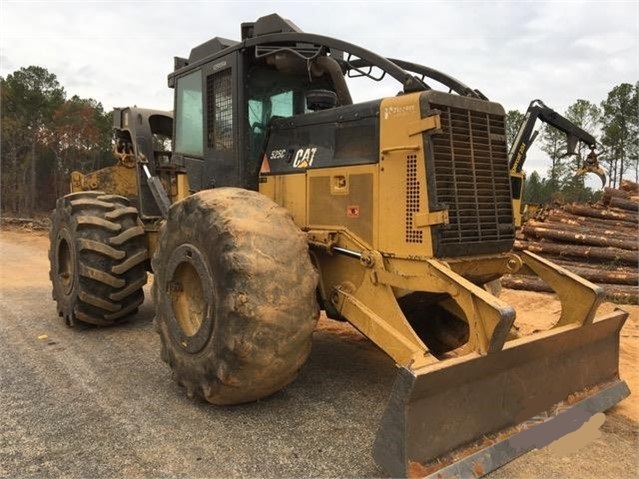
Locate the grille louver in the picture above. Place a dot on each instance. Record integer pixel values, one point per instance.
(472, 180)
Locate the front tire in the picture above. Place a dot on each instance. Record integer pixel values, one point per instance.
(234, 291)
(97, 255)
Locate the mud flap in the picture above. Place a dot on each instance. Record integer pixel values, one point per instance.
(452, 404)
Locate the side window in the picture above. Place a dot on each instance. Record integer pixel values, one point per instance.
(189, 121)
(255, 112)
(219, 100)
(260, 111)
(282, 104)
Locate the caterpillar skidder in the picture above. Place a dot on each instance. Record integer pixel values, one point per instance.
(280, 197)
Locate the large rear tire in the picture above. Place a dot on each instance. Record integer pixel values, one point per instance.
(98, 257)
(234, 292)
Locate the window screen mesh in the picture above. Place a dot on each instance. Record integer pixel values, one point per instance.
(219, 110)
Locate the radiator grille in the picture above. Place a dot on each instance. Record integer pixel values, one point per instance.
(472, 180)
(412, 200)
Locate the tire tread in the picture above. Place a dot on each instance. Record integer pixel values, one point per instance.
(110, 257)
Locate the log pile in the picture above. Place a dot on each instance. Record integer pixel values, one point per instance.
(599, 242)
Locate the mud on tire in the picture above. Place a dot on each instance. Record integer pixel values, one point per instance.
(234, 291)
(98, 257)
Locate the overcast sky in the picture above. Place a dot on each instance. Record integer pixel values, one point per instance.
(120, 53)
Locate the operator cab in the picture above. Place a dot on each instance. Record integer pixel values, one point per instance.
(278, 101)
(226, 95)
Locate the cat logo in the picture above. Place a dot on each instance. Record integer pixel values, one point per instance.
(304, 157)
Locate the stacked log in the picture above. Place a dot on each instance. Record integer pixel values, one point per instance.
(599, 242)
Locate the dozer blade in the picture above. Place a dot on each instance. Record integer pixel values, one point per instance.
(467, 416)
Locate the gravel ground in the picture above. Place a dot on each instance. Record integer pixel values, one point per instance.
(100, 403)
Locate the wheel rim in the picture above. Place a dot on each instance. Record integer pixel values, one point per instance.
(65, 268)
(189, 298)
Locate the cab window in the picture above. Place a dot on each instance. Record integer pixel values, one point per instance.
(189, 119)
(272, 94)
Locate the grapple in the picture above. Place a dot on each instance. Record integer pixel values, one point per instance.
(591, 165)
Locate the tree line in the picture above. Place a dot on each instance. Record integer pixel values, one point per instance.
(44, 135)
(614, 123)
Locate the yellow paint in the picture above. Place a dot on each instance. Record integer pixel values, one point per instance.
(517, 202)
(182, 187)
(288, 191)
(344, 197)
(116, 180)
(402, 179)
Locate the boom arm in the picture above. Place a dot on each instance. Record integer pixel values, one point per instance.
(538, 110)
(525, 137)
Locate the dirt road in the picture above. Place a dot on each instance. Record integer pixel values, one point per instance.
(100, 403)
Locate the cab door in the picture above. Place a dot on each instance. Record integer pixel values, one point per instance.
(206, 119)
(221, 139)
